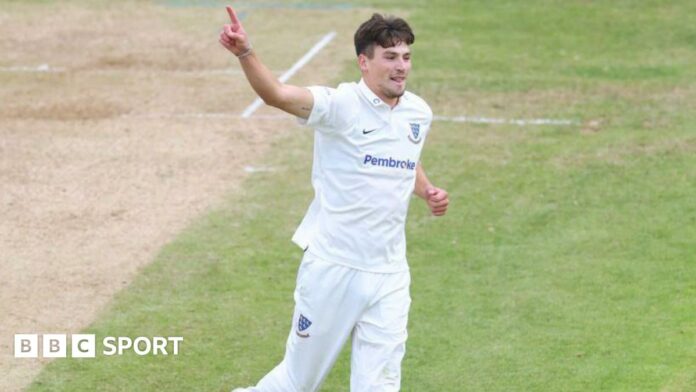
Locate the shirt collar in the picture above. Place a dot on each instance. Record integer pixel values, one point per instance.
(369, 95)
(373, 98)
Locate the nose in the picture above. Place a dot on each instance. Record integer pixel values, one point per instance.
(401, 64)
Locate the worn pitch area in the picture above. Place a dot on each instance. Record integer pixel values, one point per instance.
(98, 169)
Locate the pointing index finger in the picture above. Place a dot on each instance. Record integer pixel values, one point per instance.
(233, 16)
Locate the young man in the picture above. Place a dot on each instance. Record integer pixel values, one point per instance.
(354, 278)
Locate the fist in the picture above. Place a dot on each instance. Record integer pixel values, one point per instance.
(437, 200)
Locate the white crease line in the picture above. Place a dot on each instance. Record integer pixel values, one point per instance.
(47, 68)
(296, 67)
(259, 169)
(38, 68)
(283, 116)
(228, 71)
(180, 115)
(515, 121)
(195, 72)
(204, 115)
(110, 71)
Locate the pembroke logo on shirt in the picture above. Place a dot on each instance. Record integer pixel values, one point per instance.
(302, 324)
(415, 133)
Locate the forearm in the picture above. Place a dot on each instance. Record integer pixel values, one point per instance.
(235, 39)
(261, 79)
(295, 100)
(422, 182)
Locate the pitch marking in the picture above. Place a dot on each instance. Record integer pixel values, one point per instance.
(295, 67)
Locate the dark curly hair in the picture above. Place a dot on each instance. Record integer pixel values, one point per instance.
(386, 31)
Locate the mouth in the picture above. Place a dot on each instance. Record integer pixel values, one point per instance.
(398, 79)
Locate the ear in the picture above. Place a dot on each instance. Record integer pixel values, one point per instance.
(362, 62)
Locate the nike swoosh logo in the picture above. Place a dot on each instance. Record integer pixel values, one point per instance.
(370, 131)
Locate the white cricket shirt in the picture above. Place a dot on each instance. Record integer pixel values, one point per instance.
(364, 171)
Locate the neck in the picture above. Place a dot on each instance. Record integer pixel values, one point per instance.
(389, 101)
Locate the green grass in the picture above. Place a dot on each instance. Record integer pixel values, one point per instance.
(566, 262)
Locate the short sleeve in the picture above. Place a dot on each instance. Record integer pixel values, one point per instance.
(424, 114)
(326, 115)
(429, 119)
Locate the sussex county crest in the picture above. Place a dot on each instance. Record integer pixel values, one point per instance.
(414, 136)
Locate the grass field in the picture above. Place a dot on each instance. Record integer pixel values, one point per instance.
(567, 261)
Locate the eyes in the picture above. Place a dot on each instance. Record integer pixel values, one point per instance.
(394, 56)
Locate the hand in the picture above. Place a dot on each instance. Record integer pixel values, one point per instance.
(233, 37)
(437, 200)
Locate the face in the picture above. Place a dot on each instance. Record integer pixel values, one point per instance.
(386, 72)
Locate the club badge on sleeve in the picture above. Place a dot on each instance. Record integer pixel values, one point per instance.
(414, 136)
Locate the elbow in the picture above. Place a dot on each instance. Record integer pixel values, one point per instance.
(274, 98)
(274, 101)
(271, 100)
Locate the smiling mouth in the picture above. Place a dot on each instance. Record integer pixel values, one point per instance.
(398, 79)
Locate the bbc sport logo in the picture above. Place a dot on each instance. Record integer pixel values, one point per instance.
(84, 345)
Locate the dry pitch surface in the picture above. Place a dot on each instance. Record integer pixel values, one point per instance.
(98, 167)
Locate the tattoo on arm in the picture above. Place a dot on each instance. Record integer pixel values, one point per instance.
(306, 109)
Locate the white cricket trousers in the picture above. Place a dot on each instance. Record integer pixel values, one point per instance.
(333, 301)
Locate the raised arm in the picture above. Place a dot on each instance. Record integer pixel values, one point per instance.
(295, 100)
(436, 198)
